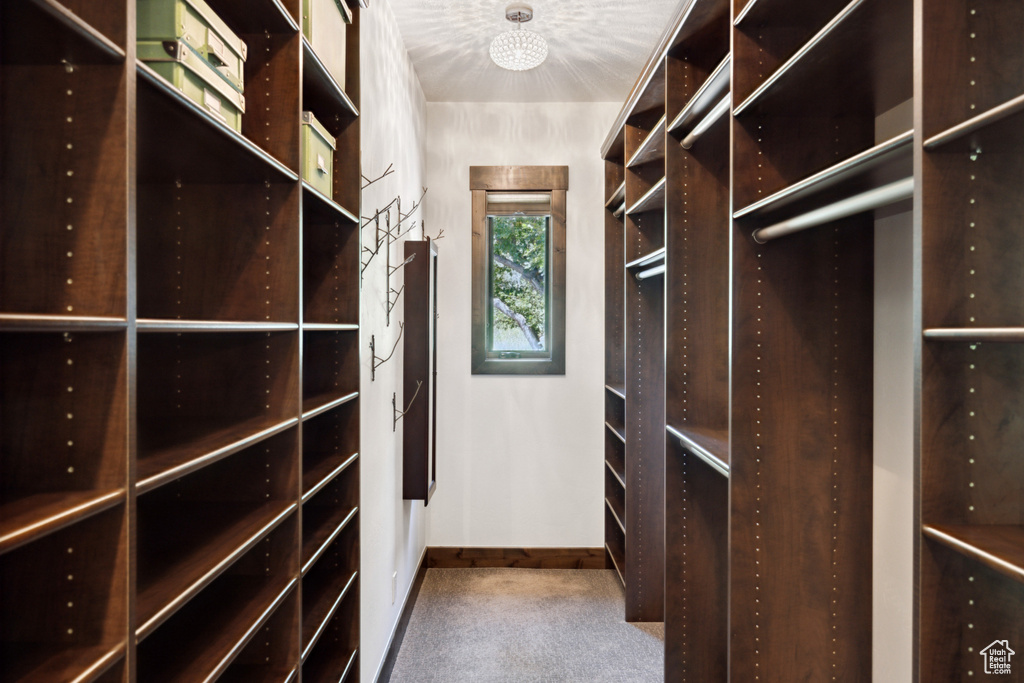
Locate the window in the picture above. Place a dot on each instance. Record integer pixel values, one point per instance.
(519, 269)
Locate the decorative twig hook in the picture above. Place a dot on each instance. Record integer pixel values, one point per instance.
(377, 360)
(398, 415)
(388, 171)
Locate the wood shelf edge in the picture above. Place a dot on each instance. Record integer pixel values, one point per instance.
(615, 564)
(148, 482)
(328, 616)
(698, 449)
(648, 150)
(161, 325)
(330, 477)
(53, 516)
(651, 200)
(711, 91)
(318, 553)
(618, 520)
(324, 76)
(613, 430)
(272, 519)
(615, 473)
(616, 390)
(328, 406)
(25, 322)
(999, 547)
(327, 202)
(882, 153)
(976, 123)
(817, 40)
(83, 29)
(1007, 335)
(617, 196)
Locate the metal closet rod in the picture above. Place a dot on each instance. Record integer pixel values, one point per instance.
(707, 122)
(650, 272)
(865, 201)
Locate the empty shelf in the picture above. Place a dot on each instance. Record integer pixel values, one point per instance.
(319, 541)
(616, 389)
(615, 472)
(180, 581)
(319, 615)
(653, 199)
(323, 474)
(84, 664)
(18, 322)
(895, 154)
(652, 148)
(319, 81)
(983, 120)
(618, 518)
(711, 446)
(172, 463)
(318, 405)
(33, 516)
(160, 325)
(1000, 547)
(654, 258)
(319, 206)
(616, 432)
(617, 196)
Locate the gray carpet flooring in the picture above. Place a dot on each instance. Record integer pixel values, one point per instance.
(527, 626)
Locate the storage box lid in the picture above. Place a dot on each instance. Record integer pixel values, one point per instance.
(213, 20)
(181, 52)
(309, 120)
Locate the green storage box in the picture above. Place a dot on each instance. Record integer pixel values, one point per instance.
(196, 78)
(318, 154)
(324, 25)
(199, 26)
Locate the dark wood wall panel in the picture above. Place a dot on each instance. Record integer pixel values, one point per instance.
(801, 465)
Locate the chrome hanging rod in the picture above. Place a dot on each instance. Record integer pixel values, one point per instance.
(650, 272)
(865, 201)
(707, 121)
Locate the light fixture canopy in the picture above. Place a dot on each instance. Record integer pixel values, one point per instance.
(519, 49)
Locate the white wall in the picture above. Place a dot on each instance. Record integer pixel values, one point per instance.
(519, 458)
(893, 510)
(392, 530)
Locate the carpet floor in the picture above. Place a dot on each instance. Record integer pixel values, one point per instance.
(527, 626)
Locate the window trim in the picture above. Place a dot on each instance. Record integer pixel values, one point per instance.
(484, 179)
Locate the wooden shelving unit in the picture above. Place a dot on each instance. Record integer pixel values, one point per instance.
(763, 203)
(971, 581)
(179, 377)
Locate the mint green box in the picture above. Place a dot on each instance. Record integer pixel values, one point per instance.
(318, 154)
(324, 25)
(195, 23)
(186, 70)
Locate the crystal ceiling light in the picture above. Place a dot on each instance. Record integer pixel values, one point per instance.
(519, 49)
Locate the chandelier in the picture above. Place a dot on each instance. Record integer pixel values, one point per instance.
(519, 49)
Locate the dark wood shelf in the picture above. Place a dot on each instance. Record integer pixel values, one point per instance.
(617, 196)
(704, 100)
(655, 258)
(206, 644)
(318, 83)
(843, 46)
(318, 405)
(616, 432)
(181, 580)
(652, 200)
(872, 168)
(651, 149)
(1000, 547)
(323, 474)
(330, 327)
(619, 477)
(178, 140)
(169, 464)
(25, 519)
(973, 126)
(617, 390)
(69, 35)
(151, 325)
(757, 13)
(615, 515)
(1012, 335)
(256, 16)
(17, 322)
(617, 560)
(711, 446)
(319, 207)
(328, 529)
(316, 619)
(33, 664)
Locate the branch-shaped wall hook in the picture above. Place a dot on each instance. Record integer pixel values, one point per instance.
(377, 360)
(440, 235)
(388, 171)
(398, 415)
(394, 269)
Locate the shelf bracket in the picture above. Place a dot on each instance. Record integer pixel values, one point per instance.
(397, 414)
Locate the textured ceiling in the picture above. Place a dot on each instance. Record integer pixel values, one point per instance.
(596, 48)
